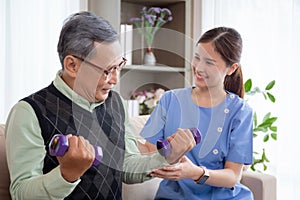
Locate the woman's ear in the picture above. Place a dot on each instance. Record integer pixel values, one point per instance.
(232, 69)
(71, 65)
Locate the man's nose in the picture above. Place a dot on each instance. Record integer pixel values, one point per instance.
(114, 79)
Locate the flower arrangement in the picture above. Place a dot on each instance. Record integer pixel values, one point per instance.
(150, 21)
(147, 99)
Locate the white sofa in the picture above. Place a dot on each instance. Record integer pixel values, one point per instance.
(262, 185)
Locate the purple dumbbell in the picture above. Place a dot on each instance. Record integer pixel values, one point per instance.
(164, 147)
(59, 144)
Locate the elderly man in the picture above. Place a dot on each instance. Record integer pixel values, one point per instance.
(80, 104)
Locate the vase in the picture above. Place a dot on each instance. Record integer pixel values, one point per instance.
(149, 57)
(133, 107)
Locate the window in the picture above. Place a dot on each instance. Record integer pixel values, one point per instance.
(28, 36)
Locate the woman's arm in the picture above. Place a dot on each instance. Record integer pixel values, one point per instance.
(226, 177)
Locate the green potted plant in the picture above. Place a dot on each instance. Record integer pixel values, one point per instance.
(265, 127)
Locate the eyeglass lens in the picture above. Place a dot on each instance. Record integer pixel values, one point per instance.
(119, 67)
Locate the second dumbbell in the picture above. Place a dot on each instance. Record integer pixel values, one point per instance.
(164, 147)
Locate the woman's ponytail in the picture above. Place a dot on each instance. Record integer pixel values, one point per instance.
(235, 83)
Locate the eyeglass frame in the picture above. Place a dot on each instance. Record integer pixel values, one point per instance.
(108, 73)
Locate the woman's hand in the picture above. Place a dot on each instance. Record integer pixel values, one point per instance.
(184, 169)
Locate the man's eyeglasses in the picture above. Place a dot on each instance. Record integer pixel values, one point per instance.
(108, 73)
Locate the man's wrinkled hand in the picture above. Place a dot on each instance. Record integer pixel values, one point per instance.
(77, 159)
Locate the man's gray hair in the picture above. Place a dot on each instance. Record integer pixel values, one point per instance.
(79, 33)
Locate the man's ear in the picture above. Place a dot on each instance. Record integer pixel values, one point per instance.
(71, 65)
(232, 68)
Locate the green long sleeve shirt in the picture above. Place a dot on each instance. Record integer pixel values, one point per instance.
(26, 152)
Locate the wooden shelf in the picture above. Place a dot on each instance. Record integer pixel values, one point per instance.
(172, 46)
(153, 2)
(152, 68)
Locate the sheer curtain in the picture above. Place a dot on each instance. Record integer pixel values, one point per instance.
(270, 30)
(28, 37)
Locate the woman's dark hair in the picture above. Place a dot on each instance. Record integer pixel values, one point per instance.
(79, 33)
(228, 43)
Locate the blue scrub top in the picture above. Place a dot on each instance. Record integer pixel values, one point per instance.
(227, 133)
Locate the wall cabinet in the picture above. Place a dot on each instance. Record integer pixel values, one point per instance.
(173, 44)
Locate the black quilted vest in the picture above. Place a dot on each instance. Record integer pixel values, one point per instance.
(103, 127)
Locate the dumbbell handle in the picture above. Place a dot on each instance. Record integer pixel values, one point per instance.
(164, 147)
(59, 145)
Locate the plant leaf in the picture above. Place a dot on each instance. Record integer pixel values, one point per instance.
(266, 138)
(260, 129)
(270, 85)
(248, 85)
(274, 136)
(267, 123)
(267, 116)
(264, 157)
(255, 119)
(273, 128)
(271, 97)
(272, 119)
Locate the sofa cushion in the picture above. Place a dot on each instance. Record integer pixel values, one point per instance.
(146, 190)
(4, 175)
(137, 123)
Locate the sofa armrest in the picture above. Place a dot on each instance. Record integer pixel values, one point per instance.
(4, 173)
(145, 191)
(262, 185)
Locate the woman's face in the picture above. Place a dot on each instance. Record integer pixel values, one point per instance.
(209, 69)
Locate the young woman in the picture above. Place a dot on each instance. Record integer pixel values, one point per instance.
(215, 105)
